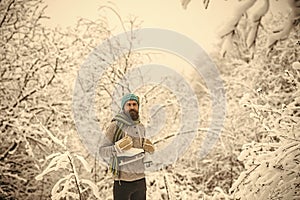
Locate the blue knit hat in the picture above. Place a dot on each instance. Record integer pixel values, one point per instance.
(128, 97)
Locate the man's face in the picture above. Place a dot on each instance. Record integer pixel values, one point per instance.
(132, 108)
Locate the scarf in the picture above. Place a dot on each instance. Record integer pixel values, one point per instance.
(122, 120)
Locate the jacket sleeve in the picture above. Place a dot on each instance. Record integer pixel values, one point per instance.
(107, 149)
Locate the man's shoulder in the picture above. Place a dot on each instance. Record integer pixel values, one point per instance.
(111, 126)
(113, 123)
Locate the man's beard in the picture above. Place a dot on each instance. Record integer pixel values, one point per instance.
(134, 115)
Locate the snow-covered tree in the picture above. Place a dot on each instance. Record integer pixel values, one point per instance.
(250, 14)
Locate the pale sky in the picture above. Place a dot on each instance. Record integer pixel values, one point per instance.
(195, 22)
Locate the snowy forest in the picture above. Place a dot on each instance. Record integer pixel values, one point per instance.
(256, 156)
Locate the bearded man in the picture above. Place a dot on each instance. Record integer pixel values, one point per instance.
(126, 145)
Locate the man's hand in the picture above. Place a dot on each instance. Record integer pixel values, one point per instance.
(148, 146)
(123, 144)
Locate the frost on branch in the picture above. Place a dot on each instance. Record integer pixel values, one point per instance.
(70, 185)
(247, 20)
(272, 161)
(272, 170)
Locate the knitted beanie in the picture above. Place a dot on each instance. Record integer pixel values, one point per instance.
(128, 97)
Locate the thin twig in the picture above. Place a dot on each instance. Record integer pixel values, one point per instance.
(76, 179)
(167, 188)
(12, 147)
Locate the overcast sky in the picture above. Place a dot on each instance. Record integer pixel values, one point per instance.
(195, 22)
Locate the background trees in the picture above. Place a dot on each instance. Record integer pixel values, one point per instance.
(261, 73)
(250, 17)
(265, 90)
(28, 68)
(39, 156)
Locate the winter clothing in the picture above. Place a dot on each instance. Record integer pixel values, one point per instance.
(123, 144)
(122, 125)
(128, 97)
(124, 148)
(148, 146)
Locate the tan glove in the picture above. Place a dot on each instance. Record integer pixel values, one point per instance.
(123, 144)
(148, 146)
